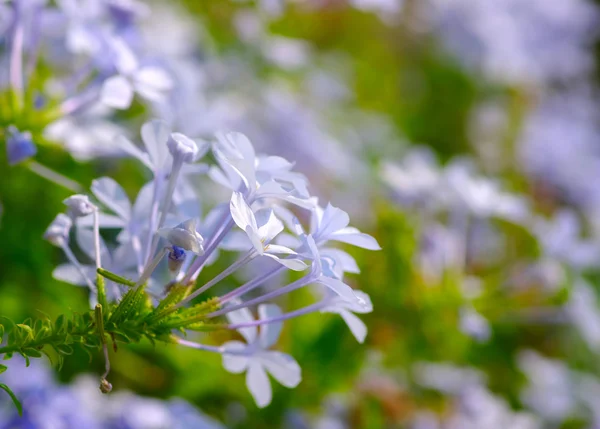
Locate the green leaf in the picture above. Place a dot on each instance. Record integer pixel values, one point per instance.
(14, 398)
(3, 368)
(1, 332)
(60, 325)
(29, 351)
(64, 349)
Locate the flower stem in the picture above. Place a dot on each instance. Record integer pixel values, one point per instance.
(54, 177)
(274, 294)
(231, 269)
(99, 279)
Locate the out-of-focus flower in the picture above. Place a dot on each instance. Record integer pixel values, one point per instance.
(255, 359)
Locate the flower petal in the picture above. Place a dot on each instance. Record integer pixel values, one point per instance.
(112, 195)
(258, 384)
(356, 238)
(357, 326)
(268, 225)
(235, 362)
(243, 315)
(282, 367)
(117, 92)
(68, 273)
(342, 289)
(155, 135)
(269, 333)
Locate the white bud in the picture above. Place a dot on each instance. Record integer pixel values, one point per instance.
(79, 205)
(185, 236)
(58, 231)
(183, 147)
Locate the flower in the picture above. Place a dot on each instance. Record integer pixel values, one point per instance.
(184, 236)
(256, 359)
(261, 236)
(150, 82)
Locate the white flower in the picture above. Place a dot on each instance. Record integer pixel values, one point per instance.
(185, 236)
(58, 231)
(255, 359)
(79, 205)
(150, 82)
(261, 229)
(261, 177)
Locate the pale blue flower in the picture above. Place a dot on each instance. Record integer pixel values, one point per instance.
(255, 358)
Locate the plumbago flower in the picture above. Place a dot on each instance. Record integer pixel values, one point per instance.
(69, 64)
(136, 295)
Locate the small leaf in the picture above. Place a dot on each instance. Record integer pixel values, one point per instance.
(14, 398)
(64, 349)
(59, 326)
(32, 352)
(3, 368)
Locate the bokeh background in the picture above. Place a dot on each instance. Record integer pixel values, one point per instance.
(463, 134)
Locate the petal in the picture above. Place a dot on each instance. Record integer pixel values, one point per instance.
(258, 384)
(282, 367)
(68, 273)
(152, 83)
(125, 60)
(143, 203)
(131, 149)
(293, 264)
(356, 238)
(343, 260)
(342, 289)
(218, 176)
(112, 195)
(236, 151)
(357, 326)
(117, 92)
(155, 135)
(243, 315)
(332, 220)
(85, 241)
(269, 333)
(235, 363)
(242, 213)
(268, 225)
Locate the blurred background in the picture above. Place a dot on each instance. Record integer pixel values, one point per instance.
(463, 134)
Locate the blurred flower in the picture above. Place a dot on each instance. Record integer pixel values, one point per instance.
(255, 359)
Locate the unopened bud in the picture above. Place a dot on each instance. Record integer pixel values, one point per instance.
(105, 386)
(79, 205)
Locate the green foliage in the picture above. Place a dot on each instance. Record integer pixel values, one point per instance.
(128, 321)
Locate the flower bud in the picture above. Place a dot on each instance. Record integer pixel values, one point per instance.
(19, 146)
(184, 147)
(79, 205)
(105, 386)
(185, 236)
(176, 259)
(58, 231)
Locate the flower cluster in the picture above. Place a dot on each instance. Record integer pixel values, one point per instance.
(260, 222)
